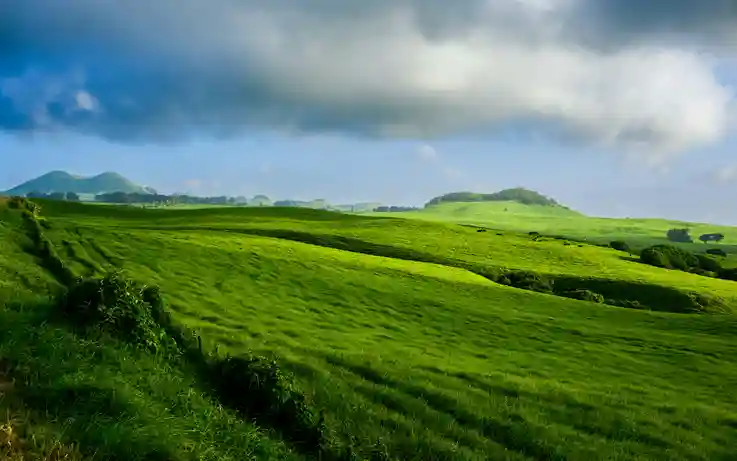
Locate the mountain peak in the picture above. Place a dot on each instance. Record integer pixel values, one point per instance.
(62, 181)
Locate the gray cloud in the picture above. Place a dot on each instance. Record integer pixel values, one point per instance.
(141, 70)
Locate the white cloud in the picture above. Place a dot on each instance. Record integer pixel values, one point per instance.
(406, 68)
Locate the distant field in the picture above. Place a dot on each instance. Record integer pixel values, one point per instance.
(559, 221)
(388, 336)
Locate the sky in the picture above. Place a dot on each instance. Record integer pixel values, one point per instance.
(613, 107)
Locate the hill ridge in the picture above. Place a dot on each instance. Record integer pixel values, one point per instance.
(63, 181)
(516, 194)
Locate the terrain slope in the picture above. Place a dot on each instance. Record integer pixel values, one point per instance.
(395, 331)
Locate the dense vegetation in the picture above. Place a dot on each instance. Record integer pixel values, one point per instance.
(269, 333)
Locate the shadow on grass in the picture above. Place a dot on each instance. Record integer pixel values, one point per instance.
(615, 292)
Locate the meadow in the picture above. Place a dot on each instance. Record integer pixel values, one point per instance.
(392, 330)
(561, 221)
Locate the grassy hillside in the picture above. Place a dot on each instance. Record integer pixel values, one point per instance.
(392, 332)
(560, 221)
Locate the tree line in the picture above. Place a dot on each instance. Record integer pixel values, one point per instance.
(683, 236)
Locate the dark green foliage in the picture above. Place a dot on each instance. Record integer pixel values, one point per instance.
(619, 245)
(529, 281)
(707, 263)
(21, 203)
(703, 272)
(669, 257)
(256, 387)
(716, 252)
(518, 194)
(584, 295)
(728, 274)
(629, 304)
(711, 237)
(115, 305)
(72, 196)
(679, 235)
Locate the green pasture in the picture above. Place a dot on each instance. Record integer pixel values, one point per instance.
(386, 333)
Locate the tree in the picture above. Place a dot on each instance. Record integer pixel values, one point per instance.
(679, 235)
(36, 194)
(73, 197)
(57, 196)
(711, 237)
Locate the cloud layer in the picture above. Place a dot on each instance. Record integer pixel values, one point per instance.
(617, 74)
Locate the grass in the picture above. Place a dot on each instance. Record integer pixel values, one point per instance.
(405, 359)
(560, 221)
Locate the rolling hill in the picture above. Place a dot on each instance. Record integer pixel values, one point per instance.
(61, 181)
(409, 338)
(537, 213)
(517, 194)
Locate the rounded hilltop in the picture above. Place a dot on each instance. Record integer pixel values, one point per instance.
(517, 194)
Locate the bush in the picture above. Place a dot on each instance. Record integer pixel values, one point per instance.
(716, 252)
(669, 257)
(728, 274)
(707, 263)
(627, 303)
(21, 203)
(118, 306)
(584, 295)
(619, 245)
(528, 281)
(256, 387)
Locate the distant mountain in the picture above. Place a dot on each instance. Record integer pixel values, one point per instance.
(61, 181)
(517, 194)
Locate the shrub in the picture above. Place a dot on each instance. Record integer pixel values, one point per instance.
(716, 252)
(628, 303)
(21, 203)
(619, 245)
(118, 306)
(255, 386)
(528, 281)
(707, 263)
(669, 257)
(728, 274)
(584, 295)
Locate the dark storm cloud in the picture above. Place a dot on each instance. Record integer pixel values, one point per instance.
(143, 70)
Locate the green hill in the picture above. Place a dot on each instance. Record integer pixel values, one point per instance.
(61, 181)
(413, 340)
(518, 194)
